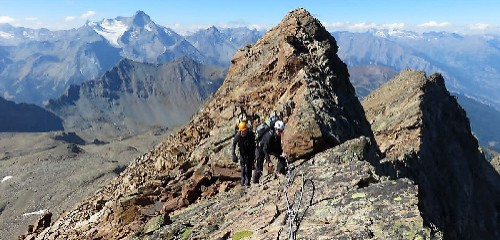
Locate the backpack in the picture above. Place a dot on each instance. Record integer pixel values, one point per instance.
(265, 126)
(271, 120)
(260, 131)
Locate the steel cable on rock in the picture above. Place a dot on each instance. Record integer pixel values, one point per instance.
(294, 208)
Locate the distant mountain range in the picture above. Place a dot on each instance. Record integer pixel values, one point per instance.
(37, 65)
(134, 96)
(470, 63)
(219, 46)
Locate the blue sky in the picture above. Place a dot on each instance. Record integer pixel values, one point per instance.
(353, 15)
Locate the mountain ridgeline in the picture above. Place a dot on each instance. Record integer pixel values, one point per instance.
(27, 118)
(37, 65)
(404, 165)
(470, 63)
(135, 96)
(425, 135)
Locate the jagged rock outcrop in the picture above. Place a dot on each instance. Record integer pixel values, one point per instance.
(426, 136)
(42, 223)
(293, 70)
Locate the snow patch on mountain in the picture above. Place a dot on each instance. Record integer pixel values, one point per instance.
(6, 35)
(110, 29)
(148, 27)
(6, 178)
(385, 33)
(40, 212)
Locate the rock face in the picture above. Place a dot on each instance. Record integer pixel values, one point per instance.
(133, 97)
(293, 70)
(42, 223)
(495, 162)
(27, 118)
(342, 199)
(426, 136)
(311, 86)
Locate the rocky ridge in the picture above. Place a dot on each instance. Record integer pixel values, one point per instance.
(277, 73)
(185, 187)
(426, 136)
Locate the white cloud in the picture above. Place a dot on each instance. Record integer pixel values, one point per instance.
(6, 19)
(339, 24)
(433, 24)
(362, 26)
(478, 26)
(69, 18)
(258, 26)
(394, 26)
(88, 14)
(31, 18)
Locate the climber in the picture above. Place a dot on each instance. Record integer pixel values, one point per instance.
(270, 144)
(246, 143)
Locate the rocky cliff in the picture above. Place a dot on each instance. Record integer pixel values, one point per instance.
(337, 187)
(426, 136)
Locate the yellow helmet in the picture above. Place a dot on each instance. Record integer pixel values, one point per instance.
(242, 126)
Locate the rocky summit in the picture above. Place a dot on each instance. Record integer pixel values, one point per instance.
(426, 136)
(336, 186)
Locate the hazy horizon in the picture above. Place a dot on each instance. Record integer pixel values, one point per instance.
(478, 17)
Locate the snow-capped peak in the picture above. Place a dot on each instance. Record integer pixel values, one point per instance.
(403, 34)
(6, 35)
(110, 29)
(396, 33)
(380, 33)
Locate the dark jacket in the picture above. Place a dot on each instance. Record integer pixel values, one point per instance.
(245, 144)
(270, 144)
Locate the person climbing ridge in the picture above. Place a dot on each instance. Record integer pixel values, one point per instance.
(270, 144)
(245, 140)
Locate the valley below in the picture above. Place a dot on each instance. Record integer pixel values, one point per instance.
(39, 173)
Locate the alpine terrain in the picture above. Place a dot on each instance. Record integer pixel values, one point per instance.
(417, 175)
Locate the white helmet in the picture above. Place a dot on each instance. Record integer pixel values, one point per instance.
(279, 125)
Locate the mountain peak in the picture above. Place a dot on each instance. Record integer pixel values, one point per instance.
(140, 14)
(300, 13)
(298, 52)
(300, 18)
(140, 18)
(213, 29)
(300, 26)
(426, 136)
